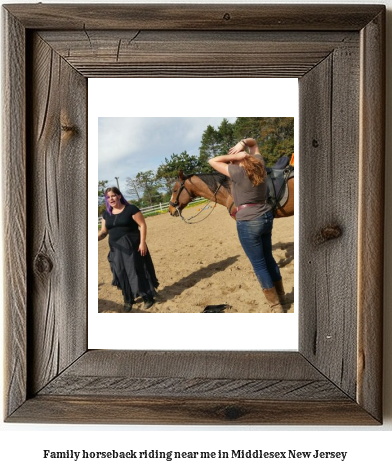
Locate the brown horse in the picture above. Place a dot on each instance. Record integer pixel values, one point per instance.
(216, 188)
(213, 186)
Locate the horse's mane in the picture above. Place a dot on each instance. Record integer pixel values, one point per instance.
(213, 180)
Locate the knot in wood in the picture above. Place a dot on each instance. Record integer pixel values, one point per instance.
(68, 128)
(43, 264)
(232, 413)
(227, 16)
(328, 233)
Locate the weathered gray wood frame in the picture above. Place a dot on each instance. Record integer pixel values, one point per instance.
(337, 52)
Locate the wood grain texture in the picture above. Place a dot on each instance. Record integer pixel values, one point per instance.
(193, 53)
(371, 215)
(201, 387)
(208, 364)
(205, 374)
(14, 223)
(335, 378)
(155, 411)
(192, 387)
(194, 17)
(329, 97)
(57, 249)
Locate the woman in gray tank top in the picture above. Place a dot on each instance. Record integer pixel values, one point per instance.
(254, 215)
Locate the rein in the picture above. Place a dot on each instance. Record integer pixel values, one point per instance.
(182, 186)
(176, 204)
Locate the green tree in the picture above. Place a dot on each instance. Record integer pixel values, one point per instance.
(102, 185)
(274, 135)
(245, 127)
(276, 138)
(210, 144)
(167, 172)
(215, 142)
(226, 136)
(147, 185)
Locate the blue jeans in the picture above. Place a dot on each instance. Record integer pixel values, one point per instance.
(256, 240)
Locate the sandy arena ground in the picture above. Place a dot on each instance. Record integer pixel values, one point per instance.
(201, 264)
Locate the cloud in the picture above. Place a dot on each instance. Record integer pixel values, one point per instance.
(127, 145)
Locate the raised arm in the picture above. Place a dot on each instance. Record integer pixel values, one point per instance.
(221, 163)
(246, 143)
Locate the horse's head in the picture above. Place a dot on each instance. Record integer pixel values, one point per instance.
(181, 195)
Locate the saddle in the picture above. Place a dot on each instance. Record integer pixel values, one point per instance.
(277, 178)
(277, 188)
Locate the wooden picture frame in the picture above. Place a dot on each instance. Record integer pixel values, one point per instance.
(338, 54)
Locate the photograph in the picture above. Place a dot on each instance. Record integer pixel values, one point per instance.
(198, 351)
(199, 217)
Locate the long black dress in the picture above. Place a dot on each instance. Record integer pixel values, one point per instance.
(132, 273)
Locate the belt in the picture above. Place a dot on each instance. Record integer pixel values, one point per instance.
(248, 205)
(245, 205)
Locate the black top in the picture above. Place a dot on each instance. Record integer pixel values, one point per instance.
(121, 224)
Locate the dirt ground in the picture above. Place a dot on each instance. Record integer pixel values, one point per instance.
(201, 264)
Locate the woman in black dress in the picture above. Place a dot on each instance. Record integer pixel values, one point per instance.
(129, 258)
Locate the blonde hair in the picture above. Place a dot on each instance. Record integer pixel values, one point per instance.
(255, 169)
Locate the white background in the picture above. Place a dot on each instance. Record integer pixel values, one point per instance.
(180, 98)
(368, 448)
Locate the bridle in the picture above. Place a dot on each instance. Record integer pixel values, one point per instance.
(176, 203)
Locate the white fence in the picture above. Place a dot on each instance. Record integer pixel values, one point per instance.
(158, 208)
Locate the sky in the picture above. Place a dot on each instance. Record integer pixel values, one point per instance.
(134, 124)
(127, 145)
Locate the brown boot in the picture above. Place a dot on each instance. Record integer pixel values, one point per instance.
(280, 290)
(273, 300)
